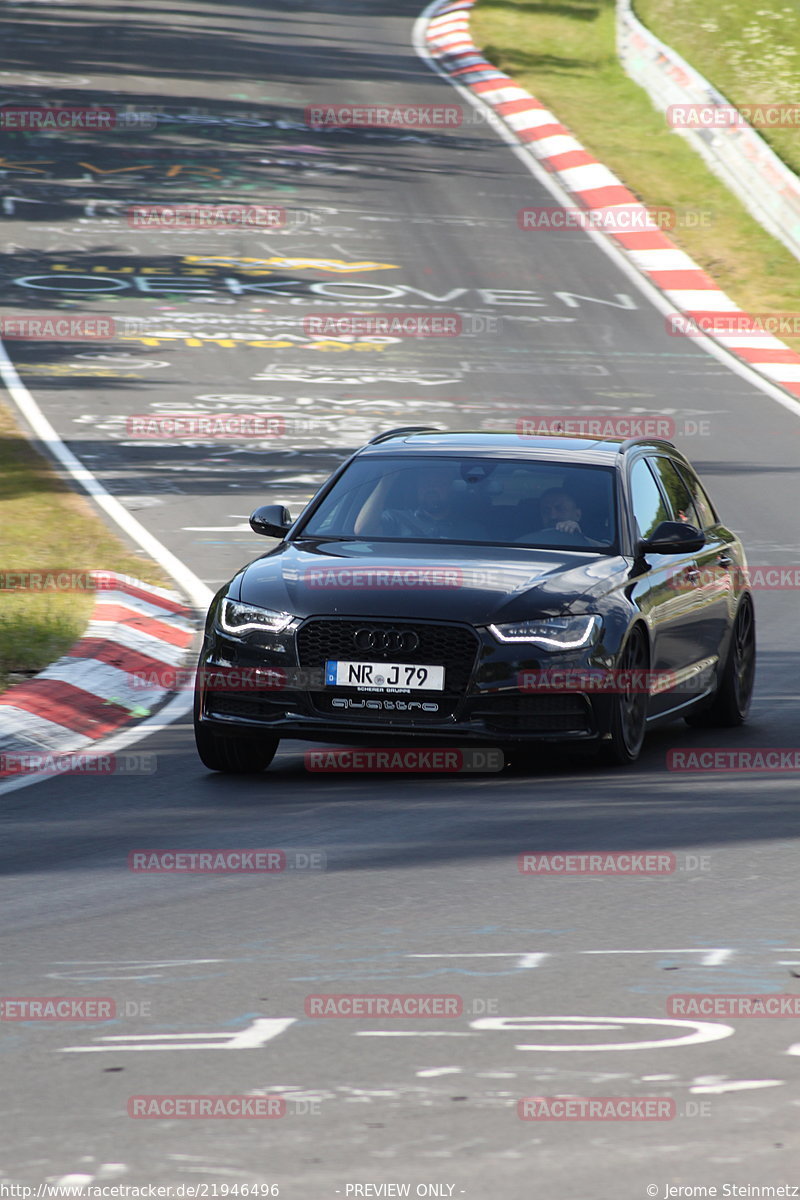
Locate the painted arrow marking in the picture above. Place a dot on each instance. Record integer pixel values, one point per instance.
(712, 957)
(410, 1033)
(526, 960)
(99, 969)
(714, 1085)
(692, 1032)
(258, 1034)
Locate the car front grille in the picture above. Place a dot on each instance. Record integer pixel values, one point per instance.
(452, 646)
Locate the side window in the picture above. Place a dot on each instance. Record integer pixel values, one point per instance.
(705, 509)
(647, 503)
(677, 492)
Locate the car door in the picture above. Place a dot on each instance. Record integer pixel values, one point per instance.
(703, 587)
(718, 561)
(665, 588)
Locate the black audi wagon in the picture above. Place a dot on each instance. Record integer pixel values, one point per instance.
(485, 589)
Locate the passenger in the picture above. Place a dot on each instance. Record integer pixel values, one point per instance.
(560, 515)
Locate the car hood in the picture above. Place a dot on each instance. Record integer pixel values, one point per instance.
(477, 584)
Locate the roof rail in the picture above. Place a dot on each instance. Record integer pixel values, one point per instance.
(641, 440)
(382, 437)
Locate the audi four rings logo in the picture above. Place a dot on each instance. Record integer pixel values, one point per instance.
(386, 640)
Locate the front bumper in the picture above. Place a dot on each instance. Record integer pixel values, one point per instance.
(490, 706)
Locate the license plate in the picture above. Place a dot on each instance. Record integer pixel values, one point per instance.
(384, 675)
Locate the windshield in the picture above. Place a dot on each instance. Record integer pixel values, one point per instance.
(481, 500)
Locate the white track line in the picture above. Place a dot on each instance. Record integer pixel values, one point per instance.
(199, 594)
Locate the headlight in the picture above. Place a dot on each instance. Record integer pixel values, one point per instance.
(551, 633)
(236, 617)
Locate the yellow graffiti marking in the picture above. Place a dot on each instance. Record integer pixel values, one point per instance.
(115, 170)
(231, 343)
(176, 168)
(68, 369)
(351, 346)
(335, 265)
(214, 172)
(6, 166)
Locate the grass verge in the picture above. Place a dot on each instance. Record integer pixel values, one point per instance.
(565, 55)
(750, 52)
(46, 525)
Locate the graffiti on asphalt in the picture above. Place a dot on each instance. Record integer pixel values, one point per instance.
(242, 278)
(345, 375)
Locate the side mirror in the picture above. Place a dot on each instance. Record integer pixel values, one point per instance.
(271, 520)
(673, 537)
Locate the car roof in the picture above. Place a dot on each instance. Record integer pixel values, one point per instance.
(481, 443)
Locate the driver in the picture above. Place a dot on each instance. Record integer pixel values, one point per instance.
(435, 514)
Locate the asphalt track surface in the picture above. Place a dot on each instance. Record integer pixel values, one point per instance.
(421, 892)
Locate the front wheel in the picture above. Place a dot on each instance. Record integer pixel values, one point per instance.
(731, 702)
(232, 755)
(629, 714)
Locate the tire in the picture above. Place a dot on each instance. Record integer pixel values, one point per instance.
(629, 714)
(731, 702)
(231, 755)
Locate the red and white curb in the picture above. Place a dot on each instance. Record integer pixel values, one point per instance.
(684, 284)
(137, 633)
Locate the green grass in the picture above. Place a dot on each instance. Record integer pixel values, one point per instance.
(751, 52)
(564, 53)
(44, 524)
